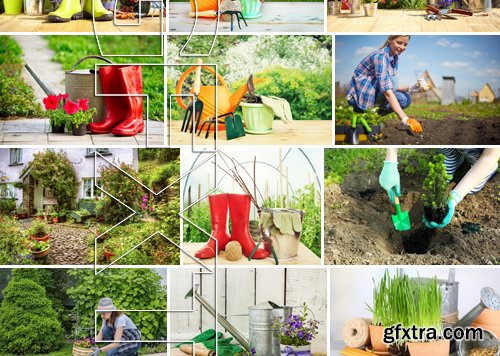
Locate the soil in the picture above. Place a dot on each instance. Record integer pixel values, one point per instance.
(359, 229)
(446, 131)
(68, 244)
(436, 215)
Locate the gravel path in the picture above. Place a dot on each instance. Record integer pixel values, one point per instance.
(39, 57)
(69, 245)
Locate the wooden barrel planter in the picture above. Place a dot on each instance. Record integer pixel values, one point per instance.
(80, 351)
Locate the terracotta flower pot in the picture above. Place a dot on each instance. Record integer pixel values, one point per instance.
(488, 317)
(38, 255)
(434, 348)
(377, 338)
(43, 238)
(109, 255)
(55, 220)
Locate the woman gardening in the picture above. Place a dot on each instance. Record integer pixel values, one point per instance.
(375, 83)
(118, 328)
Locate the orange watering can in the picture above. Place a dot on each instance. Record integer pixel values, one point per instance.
(226, 102)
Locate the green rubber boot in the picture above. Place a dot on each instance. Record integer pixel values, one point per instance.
(67, 11)
(100, 13)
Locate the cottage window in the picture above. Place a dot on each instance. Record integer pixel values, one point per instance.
(89, 189)
(103, 151)
(8, 191)
(16, 156)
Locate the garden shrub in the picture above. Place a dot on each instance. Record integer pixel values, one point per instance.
(200, 214)
(55, 171)
(130, 289)
(116, 183)
(28, 323)
(162, 155)
(7, 206)
(13, 243)
(305, 199)
(309, 93)
(16, 97)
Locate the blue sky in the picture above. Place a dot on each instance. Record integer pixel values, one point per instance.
(472, 60)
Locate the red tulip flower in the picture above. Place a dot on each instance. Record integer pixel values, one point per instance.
(71, 107)
(50, 102)
(83, 104)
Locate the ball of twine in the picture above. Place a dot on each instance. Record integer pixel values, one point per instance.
(229, 5)
(233, 251)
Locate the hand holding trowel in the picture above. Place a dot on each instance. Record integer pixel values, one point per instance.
(401, 220)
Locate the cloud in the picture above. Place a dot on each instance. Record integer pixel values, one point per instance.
(455, 64)
(475, 54)
(365, 50)
(443, 42)
(491, 72)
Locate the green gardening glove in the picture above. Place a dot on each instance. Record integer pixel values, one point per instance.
(389, 178)
(455, 198)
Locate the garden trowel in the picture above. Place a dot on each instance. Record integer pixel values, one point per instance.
(401, 220)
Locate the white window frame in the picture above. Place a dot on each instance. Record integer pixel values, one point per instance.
(94, 192)
(16, 156)
(104, 151)
(8, 191)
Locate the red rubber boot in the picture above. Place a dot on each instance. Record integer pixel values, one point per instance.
(218, 213)
(239, 209)
(131, 80)
(115, 108)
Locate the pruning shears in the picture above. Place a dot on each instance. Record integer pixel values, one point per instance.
(432, 10)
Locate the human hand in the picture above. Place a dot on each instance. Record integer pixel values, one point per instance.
(414, 124)
(420, 86)
(455, 198)
(95, 352)
(389, 179)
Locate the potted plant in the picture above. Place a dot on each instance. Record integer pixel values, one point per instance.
(434, 190)
(39, 249)
(21, 213)
(251, 8)
(79, 115)
(13, 7)
(83, 347)
(39, 231)
(40, 214)
(296, 332)
(54, 105)
(370, 7)
(55, 217)
(257, 117)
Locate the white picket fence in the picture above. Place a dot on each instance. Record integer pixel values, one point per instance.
(240, 288)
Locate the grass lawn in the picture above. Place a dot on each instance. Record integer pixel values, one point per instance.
(458, 111)
(16, 97)
(65, 351)
(69, 49)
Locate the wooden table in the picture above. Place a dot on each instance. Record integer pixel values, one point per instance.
(304, 257)
(23, 23)
(299, 132)
(276, 17)
(413, 21)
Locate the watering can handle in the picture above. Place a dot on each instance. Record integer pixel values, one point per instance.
(89, 57)
(197, 78)
(183, 77)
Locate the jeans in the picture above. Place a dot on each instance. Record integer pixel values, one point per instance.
(404, 100)
(108, 334)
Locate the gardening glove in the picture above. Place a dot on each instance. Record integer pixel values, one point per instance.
(419, 87)
(414, 124)
(95, 352)
(455, 198)
(389, 178)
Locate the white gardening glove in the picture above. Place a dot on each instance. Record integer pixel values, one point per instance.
(420, 86)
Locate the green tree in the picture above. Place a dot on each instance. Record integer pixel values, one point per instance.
(28, 323)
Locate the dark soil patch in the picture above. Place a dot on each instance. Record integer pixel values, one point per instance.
(436, 215)
(446, 131)
(398, 350)
(359, 229)
(417, 241)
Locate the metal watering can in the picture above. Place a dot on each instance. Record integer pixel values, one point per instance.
(226, 102)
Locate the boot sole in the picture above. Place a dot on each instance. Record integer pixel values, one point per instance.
(77, 16)
(106, 17)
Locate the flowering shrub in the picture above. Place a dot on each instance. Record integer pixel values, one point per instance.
(296, 330)
(85, 343)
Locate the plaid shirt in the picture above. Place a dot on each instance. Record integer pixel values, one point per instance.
(371, 76)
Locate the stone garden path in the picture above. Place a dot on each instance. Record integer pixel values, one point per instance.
(69, 244)
(38, 55)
